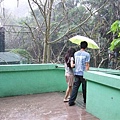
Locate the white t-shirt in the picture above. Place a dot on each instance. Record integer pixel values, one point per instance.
(69, 70)
(81, 58)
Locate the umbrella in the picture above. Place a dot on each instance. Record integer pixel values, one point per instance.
(78, 39)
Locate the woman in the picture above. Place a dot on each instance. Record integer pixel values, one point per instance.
(69, 57)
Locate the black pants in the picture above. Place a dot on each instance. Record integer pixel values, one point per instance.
(76, 85)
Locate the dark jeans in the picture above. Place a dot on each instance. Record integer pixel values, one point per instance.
(76, 85)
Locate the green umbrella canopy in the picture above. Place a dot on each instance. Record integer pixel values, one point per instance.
(78, 39)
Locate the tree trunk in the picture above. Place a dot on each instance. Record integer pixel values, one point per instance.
(45, 52)
(48, 53)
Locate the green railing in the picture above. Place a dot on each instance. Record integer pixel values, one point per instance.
(108, 71)
(103, 85)
(31, 78)
(103, 93)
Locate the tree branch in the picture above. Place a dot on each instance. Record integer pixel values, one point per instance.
(35, 17)
(78, 24)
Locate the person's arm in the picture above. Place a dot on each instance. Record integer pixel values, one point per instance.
(72, 63)
(87, 66)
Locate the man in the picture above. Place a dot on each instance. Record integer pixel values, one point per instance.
(82, 59)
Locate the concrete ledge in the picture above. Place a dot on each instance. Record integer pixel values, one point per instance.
(31, 79)
(27, 67)
(103, 78)
(108, 71)
(103, 94)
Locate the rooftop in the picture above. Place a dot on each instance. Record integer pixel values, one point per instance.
(7, 57)
(38, 94)
(47, 106)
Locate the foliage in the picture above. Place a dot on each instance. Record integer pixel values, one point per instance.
(66, 15)
(23, 53)
(115, 29)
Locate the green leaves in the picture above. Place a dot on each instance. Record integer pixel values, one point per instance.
(115, 43)
(22, 52)
(119, 34)
(115, 29)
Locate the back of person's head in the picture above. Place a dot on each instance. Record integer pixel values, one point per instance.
(70, 53)
(83, 44)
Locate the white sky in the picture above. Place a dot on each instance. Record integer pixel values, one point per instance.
(20, 10)
(10, 3)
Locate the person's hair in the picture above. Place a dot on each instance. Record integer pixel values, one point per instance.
(70, 53)
(83, 44)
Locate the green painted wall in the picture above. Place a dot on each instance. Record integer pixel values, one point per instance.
(31, 79)
(103, 95)
(108, 71)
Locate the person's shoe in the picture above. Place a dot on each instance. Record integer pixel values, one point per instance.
(71, 104)
(68, 97)
(66, 100)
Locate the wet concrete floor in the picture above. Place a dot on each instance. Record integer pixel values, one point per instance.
(46, 106)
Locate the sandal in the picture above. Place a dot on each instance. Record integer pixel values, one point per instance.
(68, 97)
(66, 100)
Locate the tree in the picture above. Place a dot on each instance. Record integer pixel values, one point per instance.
(55, 22)
(47, 29)
(100, 25)
(114, 60)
